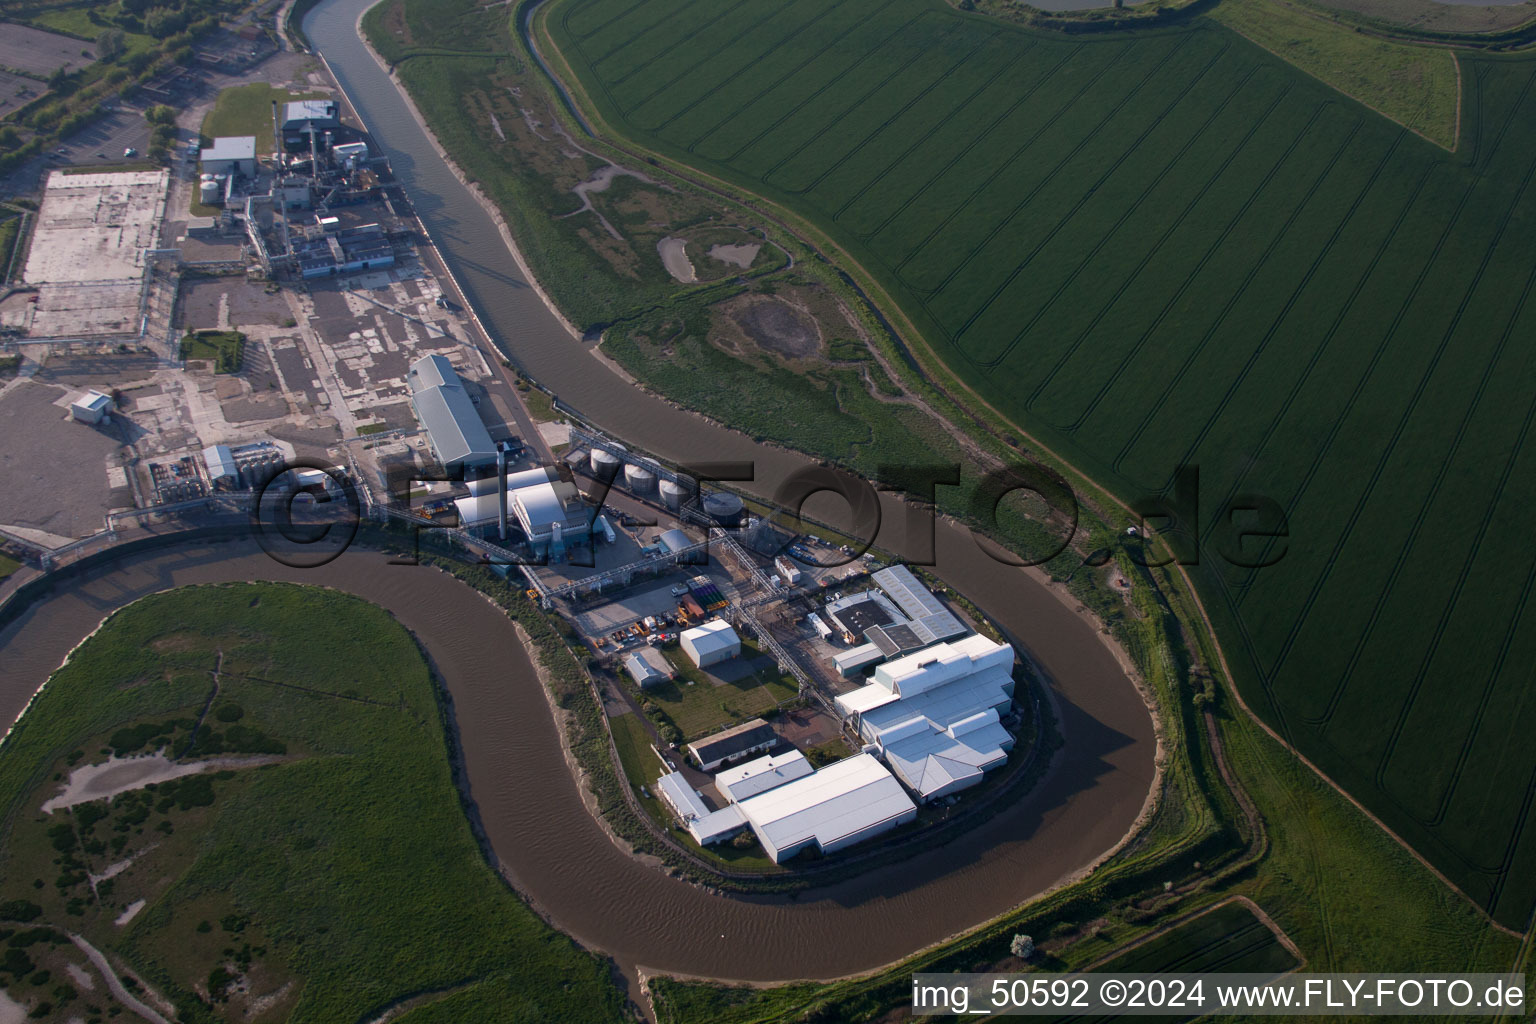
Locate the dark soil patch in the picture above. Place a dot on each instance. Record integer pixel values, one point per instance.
(778, 327)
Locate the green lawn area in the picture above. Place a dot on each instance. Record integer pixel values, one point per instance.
(8, 565)
(76, 21)
(698, 705)
(1173, 248)
(634, 745)
(225, 348)
(1416, 86)
(247, 110)
(346, 870)
(540, 406)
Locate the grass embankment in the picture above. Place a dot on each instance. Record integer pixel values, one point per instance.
(226, 349)
(247, 110)
(10, 235)
(1419, 87)
(8, 565)
(367, 885)
(1211, 256)
(458, 62)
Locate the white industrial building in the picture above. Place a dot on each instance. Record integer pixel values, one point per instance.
(306, 115)
(844, 803)
(448, 414)
(223, 470)
(91, 407)
(748, 780)
(713, 642)
(230, 154)
(856, 659)
(704, 825)
(648, 667)
(934, 716)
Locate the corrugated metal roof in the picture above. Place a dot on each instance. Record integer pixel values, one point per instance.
(432, 371)
(538, 508)
(685, 801)
(930, 619)
(453, 426)
(843, 798)
(714, 635)
(759, 776)
(647, 665)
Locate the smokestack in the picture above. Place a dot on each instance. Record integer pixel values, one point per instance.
(501, 489)
(277, 134)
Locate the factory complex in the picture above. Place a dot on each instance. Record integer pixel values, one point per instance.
(902, 703)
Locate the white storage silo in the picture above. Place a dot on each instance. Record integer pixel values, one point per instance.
(605, 465)
(640, 477)
(673, 494)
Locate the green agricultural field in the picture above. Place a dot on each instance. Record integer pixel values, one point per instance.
(368, 886)
(1173, 248)
(1227, 939)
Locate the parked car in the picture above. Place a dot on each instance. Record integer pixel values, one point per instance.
(130, 153)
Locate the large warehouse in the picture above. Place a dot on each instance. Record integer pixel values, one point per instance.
(448, 415)
(844, 803)
(713, 642)
(935, 715)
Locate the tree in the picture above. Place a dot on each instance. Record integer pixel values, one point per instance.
(1022, 947)
(160, 114)
(111, 44)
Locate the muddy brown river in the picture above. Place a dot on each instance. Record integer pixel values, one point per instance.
(549, 847)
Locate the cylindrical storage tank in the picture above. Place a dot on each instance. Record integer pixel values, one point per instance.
(674, 493)
(723, 507)
(639, 477)
(604, 463)
(209, 191)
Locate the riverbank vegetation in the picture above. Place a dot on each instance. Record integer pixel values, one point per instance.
(368, 886)
(1238, 812)
(1211, 256)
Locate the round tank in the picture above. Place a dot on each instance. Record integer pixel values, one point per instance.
(209, 192)
(723, 507)
(604, 461)
(639, 477)
(673, 494)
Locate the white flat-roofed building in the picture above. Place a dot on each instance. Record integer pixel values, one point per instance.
(934, 716)
(713, 642)
(91, 407)
(748, 780)
(230, 154)
(706, 826)
(844, 803)
(648, 668)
